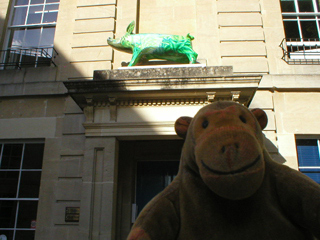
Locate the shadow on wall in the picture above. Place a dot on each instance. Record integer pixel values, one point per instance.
(273, 150)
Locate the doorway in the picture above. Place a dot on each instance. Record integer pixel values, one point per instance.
(145, 168)
(152, 178)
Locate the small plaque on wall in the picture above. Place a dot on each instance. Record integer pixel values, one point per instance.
(72, 214)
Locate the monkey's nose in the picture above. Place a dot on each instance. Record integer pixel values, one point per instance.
(230, 147)
(230, 154)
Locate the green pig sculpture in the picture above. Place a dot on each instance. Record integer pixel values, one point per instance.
(146, 46)
(228, 187)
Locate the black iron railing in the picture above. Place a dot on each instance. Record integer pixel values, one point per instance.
(31, 57)
(301, 50)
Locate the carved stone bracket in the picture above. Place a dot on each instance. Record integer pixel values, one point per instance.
(113, 109)
(211, 96)
(89, 110)
(235, 96)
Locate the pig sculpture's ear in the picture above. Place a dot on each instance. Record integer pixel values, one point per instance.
(181, 126)
(130, 27)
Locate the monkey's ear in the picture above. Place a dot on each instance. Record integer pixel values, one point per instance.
(261, 116)
(181, 126)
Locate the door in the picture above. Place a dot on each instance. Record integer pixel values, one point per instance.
(152, 178)
(144, 169)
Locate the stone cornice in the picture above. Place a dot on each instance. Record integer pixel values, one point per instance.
(137, 92)
(112, 90)
(160, 86)
(125, 85)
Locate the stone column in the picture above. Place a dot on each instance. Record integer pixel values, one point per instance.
(97, 198)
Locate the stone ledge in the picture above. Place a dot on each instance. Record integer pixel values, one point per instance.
(165, 71)
(32, 89)
(28, 75)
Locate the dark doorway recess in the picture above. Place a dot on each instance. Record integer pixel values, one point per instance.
(144, 169)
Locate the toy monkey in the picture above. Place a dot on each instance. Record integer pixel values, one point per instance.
(228, 187)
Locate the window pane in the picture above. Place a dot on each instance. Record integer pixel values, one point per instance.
(52, 7)
(7, 233)
(315, 176)
(19, 16)
(305, 6)
(287, 6)
(50, 17)
(27, 213)
(22, 2)
(11, 156)
(25, 235)
(47, 37)
(17, 39)
(36, 1)
(308, 153)
(8, 184)
(32, 38)
(29, 184)
(309, 29)
(50, 13)
(33, 155)
(53, 1)
(291, 29)
(8, 214)
(35, 14)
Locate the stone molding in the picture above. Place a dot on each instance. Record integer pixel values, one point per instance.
(125, 129)
(153, 102)
(211, 97)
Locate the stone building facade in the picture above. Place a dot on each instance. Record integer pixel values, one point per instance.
(80, 133)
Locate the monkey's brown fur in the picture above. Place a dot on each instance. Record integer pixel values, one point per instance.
(228, 187)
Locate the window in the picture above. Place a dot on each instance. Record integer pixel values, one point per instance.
(31, 31)
(301, 24)
(301, 18)
(308, 157)
(20, 173)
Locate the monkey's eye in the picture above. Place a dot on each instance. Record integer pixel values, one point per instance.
(242, 118)
(205, 124)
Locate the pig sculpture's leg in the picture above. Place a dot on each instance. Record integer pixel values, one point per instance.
(135, 57)
(188, 51)
(192, 57)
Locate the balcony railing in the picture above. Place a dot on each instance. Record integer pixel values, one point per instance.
(31, 57)
(301, 50)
